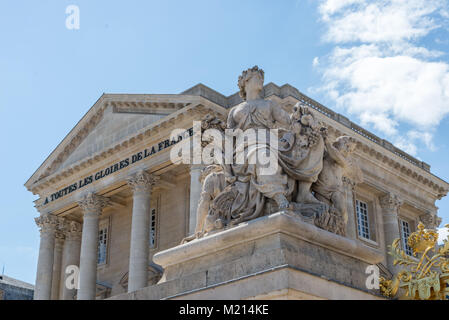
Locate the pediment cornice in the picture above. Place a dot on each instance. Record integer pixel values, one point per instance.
(193, 111)
(121, 103)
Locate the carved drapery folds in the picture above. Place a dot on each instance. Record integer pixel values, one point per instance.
(306, 179)
(142, 181)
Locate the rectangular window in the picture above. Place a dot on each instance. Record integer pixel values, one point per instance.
(405, 233)
(103, 235)
(153, 229)
(363, 228)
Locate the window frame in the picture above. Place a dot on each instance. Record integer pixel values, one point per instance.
(104, 224)
(369, 198)
(408, 251)
(359, 218)
(156, 208)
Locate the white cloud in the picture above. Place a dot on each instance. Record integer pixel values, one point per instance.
(316, 61)
(379, 20)
(378, 72)
(443, 233)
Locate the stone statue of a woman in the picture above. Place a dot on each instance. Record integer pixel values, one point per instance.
(248, 185)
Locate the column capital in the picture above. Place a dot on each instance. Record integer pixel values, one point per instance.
(47, 223)
(73, 230)
(93, 203)
(349, 183)
(390, 202)
(59, 239)
(142, 181)
(430, 221)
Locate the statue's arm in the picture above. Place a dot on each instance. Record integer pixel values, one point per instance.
(230, 123)
(334, 154)
(280, 115)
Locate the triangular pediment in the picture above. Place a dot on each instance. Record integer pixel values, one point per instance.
(113, 127)
(111, 119)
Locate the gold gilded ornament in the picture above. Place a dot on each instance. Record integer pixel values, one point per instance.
(426, 275)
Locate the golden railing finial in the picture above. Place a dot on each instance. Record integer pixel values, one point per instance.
(426, 276)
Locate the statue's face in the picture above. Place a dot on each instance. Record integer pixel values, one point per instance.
(347, 147)
(255, 82)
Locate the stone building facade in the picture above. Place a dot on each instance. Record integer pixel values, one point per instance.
(13, 289)
(112, 203)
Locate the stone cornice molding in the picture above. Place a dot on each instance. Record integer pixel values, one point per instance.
(280, 222)
(142, 181)
(93, 204)
(439, 187)
(391, 203)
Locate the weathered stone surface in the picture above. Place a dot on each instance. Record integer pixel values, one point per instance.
(275, 242)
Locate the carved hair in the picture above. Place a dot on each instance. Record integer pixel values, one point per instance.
(246, 75)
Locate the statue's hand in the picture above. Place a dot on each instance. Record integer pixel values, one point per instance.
(230, 179)
(324, 132)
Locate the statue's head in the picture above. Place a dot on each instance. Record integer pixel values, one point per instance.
(345, 144)
(251, 79)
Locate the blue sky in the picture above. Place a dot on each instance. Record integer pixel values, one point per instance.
(384, 65)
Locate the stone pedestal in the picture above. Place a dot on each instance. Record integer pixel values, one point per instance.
(275, 256)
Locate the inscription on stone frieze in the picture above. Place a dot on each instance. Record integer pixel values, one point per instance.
(118, 166)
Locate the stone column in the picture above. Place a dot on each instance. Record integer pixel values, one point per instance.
(390, 204)
(141, 184)
(47, 224)
(57, 261)
(195, 193)
(70, 256)
(92, 206)
(351, 227)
